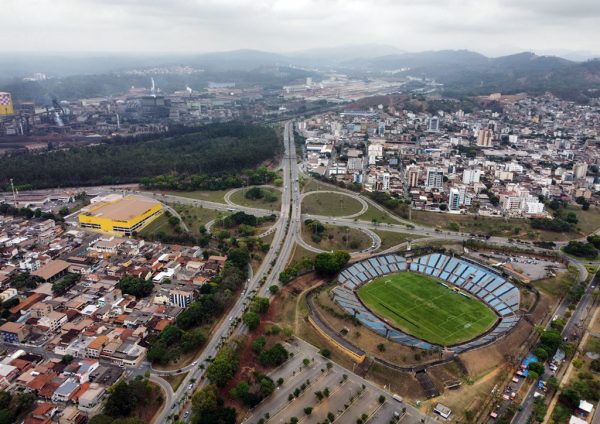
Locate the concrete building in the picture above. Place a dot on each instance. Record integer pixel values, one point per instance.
(433, 125)
(121, 217)
(484, 138)
(53, 270)
(412, 176)
(13, 332)
(471, 176)
(435, 178)
(180, 297)
(580, 170)
(454, 199)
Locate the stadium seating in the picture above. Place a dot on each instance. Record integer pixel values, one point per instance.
(472, 278)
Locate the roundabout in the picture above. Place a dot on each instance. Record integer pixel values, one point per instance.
(333, 203)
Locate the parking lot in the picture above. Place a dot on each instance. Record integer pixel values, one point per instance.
(532, 267)
(331, 391)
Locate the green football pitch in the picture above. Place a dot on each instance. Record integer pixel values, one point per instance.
(422, 307)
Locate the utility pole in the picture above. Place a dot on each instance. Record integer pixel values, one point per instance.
(12, 186)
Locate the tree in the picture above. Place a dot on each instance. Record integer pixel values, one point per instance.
(273, 289)
(223, 367)
(121, 400)
(308, 410)
(274, 356)
(135, 286)
(381, 347)
(239, 257)
(306, 362)
(260, 305)
(67, 359)
(60, 287)
(326, 352)
(329, 264)
(251, 319)
(381, 399)
(552, 383)
(570, 398)
(537, 367)
(541, 354)
(258, 344)
(584, 250)
(208, 408)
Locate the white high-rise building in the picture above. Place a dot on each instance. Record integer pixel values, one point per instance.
(435, 178)
(434, 124)
(454, 199)
(471, 176)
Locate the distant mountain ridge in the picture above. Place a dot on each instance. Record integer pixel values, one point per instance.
(462, 72)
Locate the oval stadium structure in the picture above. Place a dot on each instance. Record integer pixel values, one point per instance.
(461, 275)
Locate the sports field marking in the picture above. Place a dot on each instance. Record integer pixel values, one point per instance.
(419, 305)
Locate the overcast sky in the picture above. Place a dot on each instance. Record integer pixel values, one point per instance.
(492, 27)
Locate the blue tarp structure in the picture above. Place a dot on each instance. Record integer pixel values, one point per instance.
(525, 364)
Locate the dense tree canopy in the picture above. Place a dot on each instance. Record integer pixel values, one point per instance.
(223, 367)
(584, 250)
(214, 149)
(136, 286)
(329, 264)
(207, 408)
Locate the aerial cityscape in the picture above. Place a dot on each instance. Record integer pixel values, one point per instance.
(299, 212)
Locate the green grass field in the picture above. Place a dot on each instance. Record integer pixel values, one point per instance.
(425, 309)
(330, 204)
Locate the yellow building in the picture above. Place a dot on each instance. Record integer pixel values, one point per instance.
(6, 105)
(122, 216)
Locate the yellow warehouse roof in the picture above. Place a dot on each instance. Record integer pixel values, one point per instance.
(125, 209)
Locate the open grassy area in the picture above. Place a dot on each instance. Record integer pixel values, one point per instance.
(375, 214)
(589, 221)
(391, 239)
(338, 238)
(216, 196)
(175, 380)
(300, 253)
(330, 204)
(311, 184)
(159, 224)
(239, 198)
(424, 308)
(557, 286)
(194, 217)
(517, 228)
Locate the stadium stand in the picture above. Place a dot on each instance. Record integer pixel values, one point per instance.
(469, 276)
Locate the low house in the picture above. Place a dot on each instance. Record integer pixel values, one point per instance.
(92, 397)
(443, 411)
(52, 271)
(65, 391)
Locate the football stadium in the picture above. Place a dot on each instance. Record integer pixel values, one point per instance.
(434, 301)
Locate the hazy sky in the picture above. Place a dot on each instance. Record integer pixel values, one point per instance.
(490, 26)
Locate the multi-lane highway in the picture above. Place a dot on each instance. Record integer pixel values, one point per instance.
(278, 253)
(287, 231)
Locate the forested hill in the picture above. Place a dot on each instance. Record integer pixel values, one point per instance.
(215, 149)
